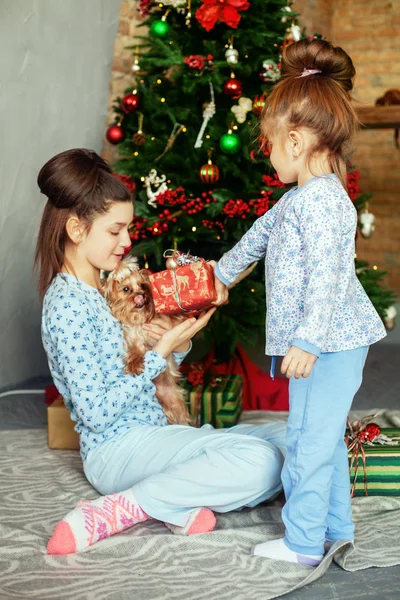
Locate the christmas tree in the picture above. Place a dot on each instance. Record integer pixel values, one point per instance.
(189, 141)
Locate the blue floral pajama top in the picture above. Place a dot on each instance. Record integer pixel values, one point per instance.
(84, 344)
(314, 298)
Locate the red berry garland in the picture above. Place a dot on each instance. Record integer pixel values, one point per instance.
(273, 181)
(261, 205)
(127, 181)
(236, 209)
(353, 189)
(213, 224)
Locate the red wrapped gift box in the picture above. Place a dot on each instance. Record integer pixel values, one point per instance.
(188, 288)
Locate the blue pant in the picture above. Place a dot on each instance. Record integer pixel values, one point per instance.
(176, 468)
(315, 475)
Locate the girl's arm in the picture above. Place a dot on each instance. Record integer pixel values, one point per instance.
(252, 247)
(99, 390)
(322, 223)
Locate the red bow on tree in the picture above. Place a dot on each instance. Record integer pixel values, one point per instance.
(226, 11)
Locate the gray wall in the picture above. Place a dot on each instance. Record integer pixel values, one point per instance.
(55, 65)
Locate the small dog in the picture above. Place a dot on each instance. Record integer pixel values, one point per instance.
(128, 293)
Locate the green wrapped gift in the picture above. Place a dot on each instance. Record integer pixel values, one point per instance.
(218, 401)
(375, 467)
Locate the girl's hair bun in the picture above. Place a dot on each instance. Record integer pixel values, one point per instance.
(321, 55)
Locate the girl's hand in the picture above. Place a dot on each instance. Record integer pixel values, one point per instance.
(298, 363)
(220, 288)
(179, 335)
(160, 325)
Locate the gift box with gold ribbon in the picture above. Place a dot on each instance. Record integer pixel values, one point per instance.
(374, 459)
(186, 287)
(217, 402)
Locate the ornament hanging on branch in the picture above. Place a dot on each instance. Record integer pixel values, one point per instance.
(367, 223)
(271, 72)
(115, 134)
(176, 130)
(285, 10)
(154, 181)
(389, 319)
(233, 87)
(136, 66)
(209, 173)
(130, 102)
(230, 143)
(139, 137)
(208, 114)
(160, 29)
(241, 109)
(232, 55)
(259, 103)
(294, 32)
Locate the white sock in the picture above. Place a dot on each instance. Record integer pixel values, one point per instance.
(277, 550)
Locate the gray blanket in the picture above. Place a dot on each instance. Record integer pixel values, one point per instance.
(39, 486)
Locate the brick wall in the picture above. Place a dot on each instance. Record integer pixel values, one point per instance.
(368, 31)
(121, 75)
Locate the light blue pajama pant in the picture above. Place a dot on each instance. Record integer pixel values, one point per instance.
(174, 469)
(315, 475)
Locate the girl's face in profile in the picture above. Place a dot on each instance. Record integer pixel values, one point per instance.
(106, 241)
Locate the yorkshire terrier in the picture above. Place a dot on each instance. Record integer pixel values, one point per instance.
(128, 293)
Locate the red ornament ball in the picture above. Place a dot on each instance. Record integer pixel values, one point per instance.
(370, 432)
(233, 88)
(209, 173)
(259, 103)
(115, 134)
(130, 103)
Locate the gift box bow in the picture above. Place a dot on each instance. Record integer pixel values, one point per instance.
(363, 433)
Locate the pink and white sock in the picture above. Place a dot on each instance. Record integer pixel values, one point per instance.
(94, 520)
(201, 520)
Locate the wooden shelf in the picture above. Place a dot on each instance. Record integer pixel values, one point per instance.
(379, 117)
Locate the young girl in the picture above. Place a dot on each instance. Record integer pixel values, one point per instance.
(173, 473)
(319, 317)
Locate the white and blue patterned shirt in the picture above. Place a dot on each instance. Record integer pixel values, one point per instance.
(84, 344)
(314, 299)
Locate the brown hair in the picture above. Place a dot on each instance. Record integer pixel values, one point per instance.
(75, 182)
(320, 102)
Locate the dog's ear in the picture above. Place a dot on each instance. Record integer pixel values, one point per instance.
(108, 287)
(131, 262)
